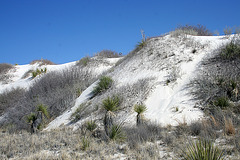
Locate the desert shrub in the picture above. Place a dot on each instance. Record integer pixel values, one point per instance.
(56, 90)
(103, 84)
(77, 115)
(84, 61)
(4, 67)
(202, 149)
(230, 51)
(143, 133)
(168, 138)
(228, 30)
(221, 102)
(198, 30)
(9, 98)
(42, 62)
(195, 128)
(219, 76)
(108, 54)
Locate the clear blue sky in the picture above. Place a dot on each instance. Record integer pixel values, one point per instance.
(67, 30)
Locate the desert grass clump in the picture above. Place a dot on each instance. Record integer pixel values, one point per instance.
(104, 83)
(85, 143)
(140, 108)
(84, 61)
(202, 149)
(91, 125)
(116, 133)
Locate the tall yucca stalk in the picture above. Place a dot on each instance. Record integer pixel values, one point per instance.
(202, 150)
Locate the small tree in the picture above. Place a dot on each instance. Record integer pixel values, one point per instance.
(139, 108)
(110, 104)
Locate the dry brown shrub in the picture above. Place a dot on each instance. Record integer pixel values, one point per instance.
(42, 62)
(229, 127)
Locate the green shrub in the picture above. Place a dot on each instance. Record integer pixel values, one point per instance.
(117, 134)
(202, 150)
(111, 103)
(91, 125)
(103, 84)
(221, 102)
(231, 51)
(84, 61)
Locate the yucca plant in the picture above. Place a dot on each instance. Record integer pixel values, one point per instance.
(35, 119)
(116, 133)
(139, 108)
(103, 84)
(31, 117)
(42, 108)
(91, 125)
(202, 149)
(110, 104)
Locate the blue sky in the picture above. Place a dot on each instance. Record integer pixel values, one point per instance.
(67, 30)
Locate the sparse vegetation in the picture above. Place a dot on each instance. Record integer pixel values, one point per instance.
(4, 67)
(108, 54)
(198, 30)
(84, 61)
(42, 62)
(103, 84)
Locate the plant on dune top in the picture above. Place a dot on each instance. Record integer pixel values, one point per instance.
(103, 84)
